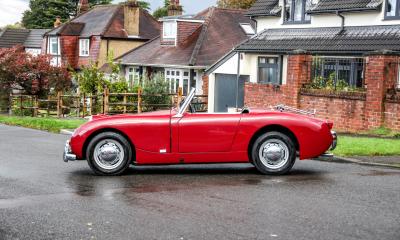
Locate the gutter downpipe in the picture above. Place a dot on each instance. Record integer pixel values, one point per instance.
(237, 81)
(343, 20)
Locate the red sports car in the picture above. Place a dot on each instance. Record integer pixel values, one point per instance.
(270, 140)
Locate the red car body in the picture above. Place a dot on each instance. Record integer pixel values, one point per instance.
(163, 138)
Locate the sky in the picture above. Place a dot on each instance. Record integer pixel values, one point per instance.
(11, 10)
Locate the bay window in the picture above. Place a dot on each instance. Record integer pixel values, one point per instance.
(182, 78)
(54, 46)
(295, 11)
(392, 9)
(84, 46)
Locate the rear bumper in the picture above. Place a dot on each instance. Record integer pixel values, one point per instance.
(335, 140)
(68, 155)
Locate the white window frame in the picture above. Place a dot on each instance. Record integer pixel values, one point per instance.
(51, 50)
(171, 31)
(176, 78)
(133, 76)
(84, 47)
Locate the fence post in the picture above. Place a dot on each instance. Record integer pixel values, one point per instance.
(59, 104)
(125, 102)
(35, 105)
(179, 96)
(106, 100)
(20, 105)
(139, 101)
(48, 105)
(84, 106)
(11, 102)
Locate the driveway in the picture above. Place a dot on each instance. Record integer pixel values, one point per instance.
(42, 197)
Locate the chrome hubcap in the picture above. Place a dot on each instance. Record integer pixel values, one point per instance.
(109, 154)
(274, 153)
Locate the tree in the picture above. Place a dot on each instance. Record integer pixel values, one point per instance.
(34, 74)
(43, 13)
(238, 4)
(144, 5)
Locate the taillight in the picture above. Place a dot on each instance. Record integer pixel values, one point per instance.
(330, 124)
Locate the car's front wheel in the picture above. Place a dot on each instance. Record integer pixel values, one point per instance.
(274, 153)
(109, 153)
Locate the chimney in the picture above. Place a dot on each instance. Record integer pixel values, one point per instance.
(131, 18)
(174, 8)
(57, 23)
(83, 6)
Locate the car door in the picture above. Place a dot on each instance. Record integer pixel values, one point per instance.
(207, 133)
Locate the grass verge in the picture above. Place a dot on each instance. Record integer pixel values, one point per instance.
(365, 146)
(47, 124)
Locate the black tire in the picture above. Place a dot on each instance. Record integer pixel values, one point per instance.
(114, 138)
(287, 147)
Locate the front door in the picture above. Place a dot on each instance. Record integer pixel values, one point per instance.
(207, 133)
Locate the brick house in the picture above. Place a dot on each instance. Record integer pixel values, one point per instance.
(338, 57)
(186, 46)
(30, 39)
(95, 33)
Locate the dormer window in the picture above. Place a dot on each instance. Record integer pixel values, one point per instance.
(392, 9)
(248, 29)
(169, 30)
(296, 11)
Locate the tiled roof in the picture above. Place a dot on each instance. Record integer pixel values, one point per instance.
(340, 5)
(12, 37)
(108, 21)
(35, 38)
(219, 34)
(265, 8)
(352, 40)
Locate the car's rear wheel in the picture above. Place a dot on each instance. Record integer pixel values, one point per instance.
(109, 153)
(273, 153)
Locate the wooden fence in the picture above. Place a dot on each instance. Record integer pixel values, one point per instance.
(83, 105)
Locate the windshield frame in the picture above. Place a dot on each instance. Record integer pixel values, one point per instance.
(186, 103)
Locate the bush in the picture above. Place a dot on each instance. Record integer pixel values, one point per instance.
(156, 93)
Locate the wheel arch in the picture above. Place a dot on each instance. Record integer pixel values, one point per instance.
(272, 128)
(103, 130)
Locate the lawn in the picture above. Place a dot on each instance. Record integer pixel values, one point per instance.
(366, 146)
(47, 124)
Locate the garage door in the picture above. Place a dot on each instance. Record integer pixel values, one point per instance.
(226, 90)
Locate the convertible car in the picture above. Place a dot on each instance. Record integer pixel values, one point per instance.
(271, 140)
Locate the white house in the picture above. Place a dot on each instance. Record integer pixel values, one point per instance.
(335, 38)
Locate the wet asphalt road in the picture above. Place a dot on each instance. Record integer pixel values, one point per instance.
(43, 198)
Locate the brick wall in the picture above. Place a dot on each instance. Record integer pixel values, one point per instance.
(69, 50)
(95, 43)
(349, 113)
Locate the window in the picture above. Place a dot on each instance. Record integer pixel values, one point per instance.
(54, 46)
(169, 30)
(84, 45)
(296, 11)
(334, 72)
(133, 76)
(392, 9)
(269, 70)
(248, 29)
(181, 78)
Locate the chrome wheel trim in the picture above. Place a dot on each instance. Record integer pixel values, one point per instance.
(108, 154)
(274, 153)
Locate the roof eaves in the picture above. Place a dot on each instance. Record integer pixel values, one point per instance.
(136, 48)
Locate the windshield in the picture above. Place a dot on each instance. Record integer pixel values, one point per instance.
(186, 102)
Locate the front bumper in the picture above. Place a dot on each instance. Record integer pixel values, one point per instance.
(335, 140)
(68, 155)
